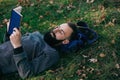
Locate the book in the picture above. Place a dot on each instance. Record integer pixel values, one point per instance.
(15, 19)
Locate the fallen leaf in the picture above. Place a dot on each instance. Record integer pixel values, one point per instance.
(114, 55)
(5, 21)
(79, 72)
(113, 41)
(93, 60)
(102, 8)
(69, 7)
(1, 0)
(102, 17)
(90, 70)
(50, 71)
(59, 11)
(89, 1)
(20, 1)
(85, 56)
(84, 76)
(51, 1)
(115, 74)
(110, 24)
(83, 67)
(25, 24)
(113, 20)
(40, 16)
(118, 9)
(98, 72)
(42, 78)
(99, 47)
(1, 25)
(38, 0)
(102, 55)
(117, 66)
(32, 4)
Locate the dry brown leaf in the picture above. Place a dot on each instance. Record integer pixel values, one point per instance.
(85, 56)
(25, 24)
(41, 17)
(118, 9)
(90, 70)
(59, 11)
(113, 41)
(79, 72)
(32, 4)
(1, 25)
(84, 76)
(90, 1)
(93, 9)
(113, 20)
(70, 6)
(20, 1)
(101, 7)
(102, 55)
(99, 47)
(117, 66)
(110, 24)
(5, 21)
(42, 78)
(38, 0)
(98, 72)
(50, 71)
(103, 17)
(51, 1)
(93, 60)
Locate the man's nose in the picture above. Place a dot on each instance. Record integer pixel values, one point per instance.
(56, 30)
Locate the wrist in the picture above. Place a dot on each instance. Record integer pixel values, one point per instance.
(17, 46)
(18, 50)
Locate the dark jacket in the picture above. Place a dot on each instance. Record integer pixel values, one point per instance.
(36, 56)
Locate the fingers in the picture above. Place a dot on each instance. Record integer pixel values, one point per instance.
(16, 32)
(12, 36)
(16, 35)
(15, 38)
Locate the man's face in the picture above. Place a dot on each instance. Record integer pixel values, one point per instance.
(58, 34)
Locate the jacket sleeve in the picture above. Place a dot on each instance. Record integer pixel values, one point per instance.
(31, 68)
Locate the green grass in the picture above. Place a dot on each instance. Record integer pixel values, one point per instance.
(102, 15)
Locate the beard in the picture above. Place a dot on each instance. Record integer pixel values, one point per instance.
(51, 40)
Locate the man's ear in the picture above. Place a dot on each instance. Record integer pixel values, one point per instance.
(66, 41)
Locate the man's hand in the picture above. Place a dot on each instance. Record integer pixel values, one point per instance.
(15, 38)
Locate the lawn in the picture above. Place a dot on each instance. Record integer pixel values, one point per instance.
(99, 61)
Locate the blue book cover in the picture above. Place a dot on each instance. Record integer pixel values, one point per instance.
(15, 19)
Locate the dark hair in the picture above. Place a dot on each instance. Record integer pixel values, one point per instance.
(74, 28)
(82, 23)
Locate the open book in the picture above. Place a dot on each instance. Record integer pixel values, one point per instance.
(15, 19)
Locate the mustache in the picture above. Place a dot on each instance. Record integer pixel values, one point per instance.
(51, 39)
(53, 34)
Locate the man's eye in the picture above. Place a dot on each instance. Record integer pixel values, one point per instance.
(61, 31)
(57, 27)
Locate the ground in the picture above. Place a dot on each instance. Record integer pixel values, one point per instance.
(99, 61)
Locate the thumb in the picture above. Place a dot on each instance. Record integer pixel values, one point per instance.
(8, 23)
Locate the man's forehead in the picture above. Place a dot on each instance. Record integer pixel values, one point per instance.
(64, 24)
(65, 27)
